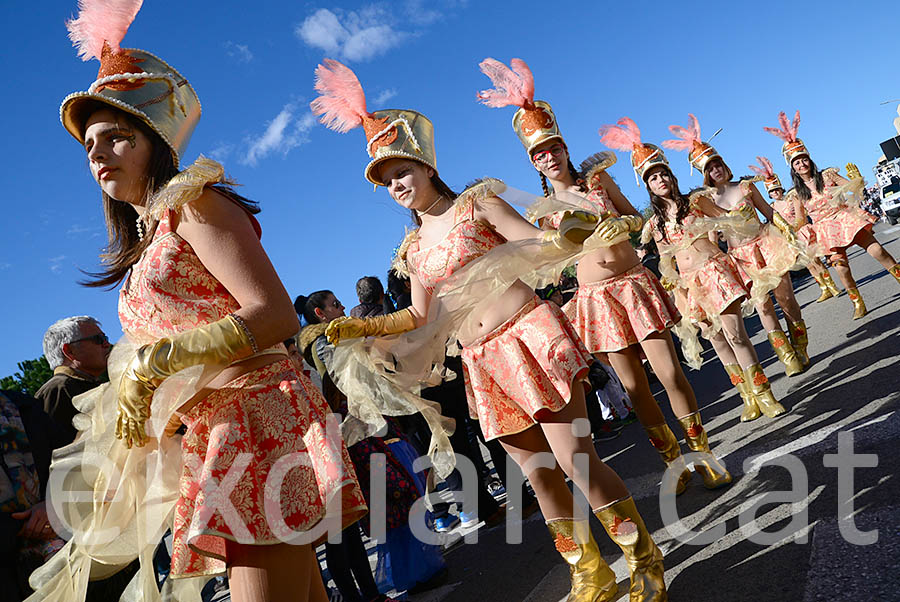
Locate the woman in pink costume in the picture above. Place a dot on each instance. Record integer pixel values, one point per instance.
(204, 315)
(620, 308)
(832, 203)
(804, 229)
(766, 254)
(709, 287)
(523, 362)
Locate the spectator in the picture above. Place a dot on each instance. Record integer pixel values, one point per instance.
(399, 289)
(649, 257)
(372, 300)
(76, 349)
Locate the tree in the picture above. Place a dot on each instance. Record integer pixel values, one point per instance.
(31, 375)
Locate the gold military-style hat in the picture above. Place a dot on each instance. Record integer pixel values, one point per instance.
(390, 134)
(626, 136)
(534, 122)
(793, 147)
(766, 173)
(132, 80)
(700, 153)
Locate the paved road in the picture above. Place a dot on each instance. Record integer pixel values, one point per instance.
(852, 387)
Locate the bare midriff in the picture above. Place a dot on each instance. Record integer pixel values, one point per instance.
(506, 306)
(696, 255)
(607, 263)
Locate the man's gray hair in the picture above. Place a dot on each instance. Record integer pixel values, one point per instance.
(67, 330)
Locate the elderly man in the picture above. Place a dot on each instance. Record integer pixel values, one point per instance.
(372, 301)
(77, 349)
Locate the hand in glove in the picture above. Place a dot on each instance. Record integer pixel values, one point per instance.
(574, 228)
(782, 224)
(613, 227)
(353, 328)
(219, 343)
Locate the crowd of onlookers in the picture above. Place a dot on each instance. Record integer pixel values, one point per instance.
(77, 350)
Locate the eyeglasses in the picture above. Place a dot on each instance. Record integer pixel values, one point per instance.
(96, 339)
(544, 155)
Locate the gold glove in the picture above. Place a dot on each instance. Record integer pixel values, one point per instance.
(668, 284)
(782, 224)
(613, 227)
(574, 228)
(219, 343)
(353, 328)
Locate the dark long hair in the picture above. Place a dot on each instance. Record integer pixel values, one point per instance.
(442, 189)
(658, 204)
(800, 185)
(125, 246)
(307, 306)
(572, 171)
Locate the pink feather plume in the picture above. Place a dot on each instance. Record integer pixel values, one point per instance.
(101, 21)
(512, 86)
(342, 104)
(686, 136)
(765, 168)
(787, 130)
(625, 135)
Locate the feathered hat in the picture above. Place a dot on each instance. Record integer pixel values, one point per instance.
(700, 153)
(765, 171)
(132, 80)
(793, 147)
(534, 122)
(626, 136)
(392, 133)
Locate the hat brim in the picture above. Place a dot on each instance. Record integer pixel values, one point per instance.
(373, 173)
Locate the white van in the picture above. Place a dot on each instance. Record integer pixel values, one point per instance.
(887, 174)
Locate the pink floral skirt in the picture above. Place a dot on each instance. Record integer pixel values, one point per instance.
(713, 287)
(768, 253)
(837, 231)
(618, 312)
(261, 439)
(526, 365)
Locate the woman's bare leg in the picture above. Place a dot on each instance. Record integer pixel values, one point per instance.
(660, 351)
(628, 367)
(867, 241)
(767, 315)
(735, 334)
(784, 294)
(842, 267)
(276, 573)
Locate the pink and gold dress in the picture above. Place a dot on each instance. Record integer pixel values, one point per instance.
(615, 313)
(526, 365)
(835, 225)
(805, 232)
(250, 426)
(710, 287)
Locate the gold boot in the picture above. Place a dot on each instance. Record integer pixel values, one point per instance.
(751, 410)
(592, 579)
(859, 306)
(826, 292)
(895, 271)
(829, 282)
(663, 439)
(785, 352)
(800, 340)
(759, 386)
(710, 468)
(645, 562)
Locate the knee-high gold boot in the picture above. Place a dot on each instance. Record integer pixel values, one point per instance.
(829, 282)
(751, 410)
(826, 292)
(626, 528)
(800, 340)
(895, 271)
(663, 439)
(759, 386)
(785, 352)
(859, 306)
(710, 468)
(592, 579)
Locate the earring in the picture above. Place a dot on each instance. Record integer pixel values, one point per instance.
(140, 228)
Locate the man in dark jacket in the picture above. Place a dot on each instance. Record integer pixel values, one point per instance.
(77, 350)
(372, 301)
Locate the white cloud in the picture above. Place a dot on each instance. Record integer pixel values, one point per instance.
(384, 96)
(79, 230)
(285, 132)
(351, 35)
(56, 263)
(221, 151)
(239, 52)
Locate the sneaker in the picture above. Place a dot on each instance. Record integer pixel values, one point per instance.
(443, 524)
(606, 433)
(468, 520)
(620, 423)
(496, 488)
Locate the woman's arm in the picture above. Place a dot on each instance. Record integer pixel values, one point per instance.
(505, 220)
(619, 201)
(421, 300)
(761, 205)
(222, 236)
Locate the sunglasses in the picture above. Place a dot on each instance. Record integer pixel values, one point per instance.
(96, 339)
(544, 155)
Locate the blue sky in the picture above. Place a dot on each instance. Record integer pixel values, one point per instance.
(733, 64)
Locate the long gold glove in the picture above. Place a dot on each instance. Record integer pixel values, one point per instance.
(219, 343)
(352, 328)
(613, 227)
(782, 224)
(574, 228)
